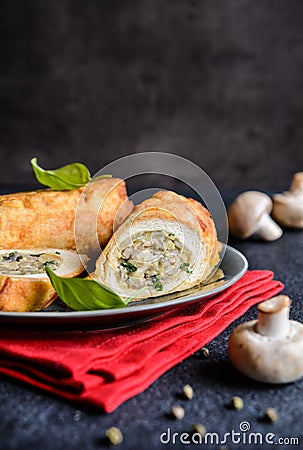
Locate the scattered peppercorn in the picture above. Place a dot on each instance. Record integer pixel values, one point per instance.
(205, 352)
(77, 416)
(237, 403)
(188, 392)
(271, 415)
(114, 435)
(178, 412)
(200, 429)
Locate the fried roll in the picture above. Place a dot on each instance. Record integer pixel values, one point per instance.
(46, 218)
(167, 244)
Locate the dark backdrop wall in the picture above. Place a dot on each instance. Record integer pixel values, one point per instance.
(219, 82)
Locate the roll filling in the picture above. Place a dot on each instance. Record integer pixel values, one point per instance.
(151, 259)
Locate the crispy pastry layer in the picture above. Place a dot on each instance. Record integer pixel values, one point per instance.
(46, 218)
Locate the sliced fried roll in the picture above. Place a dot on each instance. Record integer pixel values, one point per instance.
(167, 244)
(24, 285)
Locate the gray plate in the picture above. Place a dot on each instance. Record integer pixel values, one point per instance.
(232, 268)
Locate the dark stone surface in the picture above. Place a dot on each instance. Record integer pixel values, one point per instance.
(34, 420)
(217, 82)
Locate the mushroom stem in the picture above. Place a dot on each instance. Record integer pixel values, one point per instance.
(297, 184)
(273, 317)
(267, 229)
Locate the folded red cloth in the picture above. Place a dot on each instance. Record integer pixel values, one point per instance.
(105, 368)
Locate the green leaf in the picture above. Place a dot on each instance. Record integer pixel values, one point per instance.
(65, 178)
(85, 294)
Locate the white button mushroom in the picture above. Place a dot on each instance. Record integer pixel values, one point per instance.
(288, 206)
(269, 349)
(249, 215)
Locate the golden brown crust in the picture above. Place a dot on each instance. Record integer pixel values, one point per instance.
(209, 233)
(171, 206)
(19, 294)
(45, 218)
(208, 230)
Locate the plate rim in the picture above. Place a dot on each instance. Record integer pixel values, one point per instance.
(98, 313)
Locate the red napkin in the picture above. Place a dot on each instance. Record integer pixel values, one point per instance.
(105, 368)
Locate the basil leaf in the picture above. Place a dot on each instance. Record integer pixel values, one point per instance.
(85, 294)
(65, 178)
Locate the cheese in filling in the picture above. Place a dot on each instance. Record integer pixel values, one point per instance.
(26, 263)
(152, 257)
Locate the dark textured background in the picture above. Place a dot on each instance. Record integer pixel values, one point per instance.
(217, 82)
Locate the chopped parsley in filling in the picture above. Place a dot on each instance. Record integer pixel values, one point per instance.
(185, 267)
(157, 283)
(128, 266)
(152, 257)
(20, 263)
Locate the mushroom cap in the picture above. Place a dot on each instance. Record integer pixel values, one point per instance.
(288, 206)
(246, 211)
(297, 184)
(288, 209)
(274, 304)
(267, 359)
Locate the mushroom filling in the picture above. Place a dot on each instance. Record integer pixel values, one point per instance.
(21, 263)
(152, 257)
